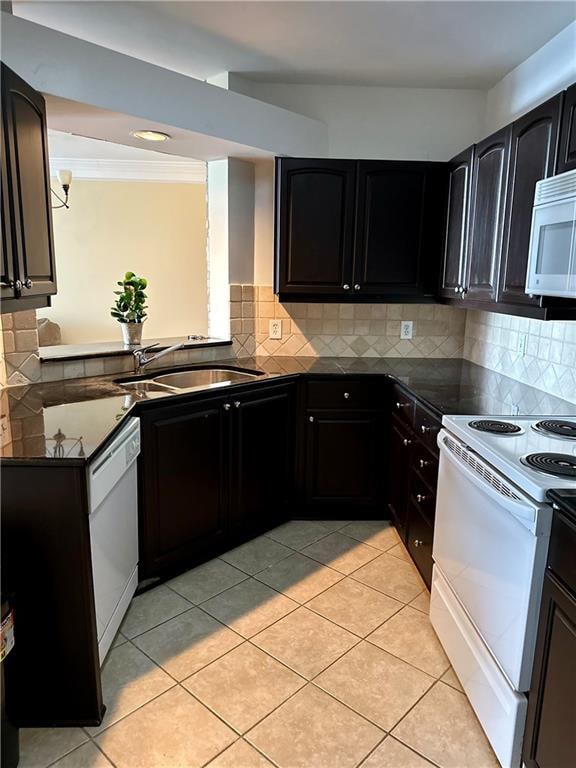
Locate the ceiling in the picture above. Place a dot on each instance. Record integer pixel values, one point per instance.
(427, 44)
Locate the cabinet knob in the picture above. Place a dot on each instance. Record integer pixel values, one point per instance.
(27, 283)
(237, 403)
(406, 441)
(226, 406)
(17, 284)
(421, 497)
(346, 395)
(310, 418)
(423, 463)
(418, 543)
(357, 287)
(346, 287)
(402, 405)
(424, 429)
(457, 289)
(463, 292)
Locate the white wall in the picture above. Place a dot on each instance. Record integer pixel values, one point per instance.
(387, 123)
(548, 71)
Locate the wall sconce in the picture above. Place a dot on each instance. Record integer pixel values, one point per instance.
(65, 179)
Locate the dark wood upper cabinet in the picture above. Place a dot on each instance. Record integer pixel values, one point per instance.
(567, 153)
(490, 178)
(314, 226)
(26, 185)
(7, 278)
(455, 251)
(532, 157)
(399, 228)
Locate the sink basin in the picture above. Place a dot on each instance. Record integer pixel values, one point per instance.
(204, 377)
(147, 385)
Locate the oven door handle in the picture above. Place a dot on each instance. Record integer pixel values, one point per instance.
(522, 509)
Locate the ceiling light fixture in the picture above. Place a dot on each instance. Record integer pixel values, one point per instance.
(150, 135)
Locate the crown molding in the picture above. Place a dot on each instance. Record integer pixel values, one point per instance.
(163, 171)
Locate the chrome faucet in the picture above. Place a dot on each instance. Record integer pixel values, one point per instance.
(141, 359)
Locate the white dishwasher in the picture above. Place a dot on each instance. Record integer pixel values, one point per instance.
(113, 503)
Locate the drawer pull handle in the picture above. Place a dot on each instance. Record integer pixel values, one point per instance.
(418, 543)
(421, 497)
(346, 287)
(424, 429)
(406, 441)
(423, 463)
(402, 405)
(346, 395)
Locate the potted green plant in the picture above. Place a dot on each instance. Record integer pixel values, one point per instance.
(130, 308)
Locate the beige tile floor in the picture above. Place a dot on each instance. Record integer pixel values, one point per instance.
(309, 647)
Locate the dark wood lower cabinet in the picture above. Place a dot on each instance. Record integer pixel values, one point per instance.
(342, 453)
(183, 469)
(213, 472)
(550, 740)
(398, 480)
(420, 534)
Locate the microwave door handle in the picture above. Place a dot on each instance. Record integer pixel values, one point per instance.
(520, 509)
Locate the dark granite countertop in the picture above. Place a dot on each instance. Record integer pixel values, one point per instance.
(77, 416)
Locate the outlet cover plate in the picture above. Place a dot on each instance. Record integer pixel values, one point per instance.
(275, 329)
(406, 327)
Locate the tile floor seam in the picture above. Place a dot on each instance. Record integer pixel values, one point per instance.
(315, 541)
(364, 759)
(410, 664)
(394, 597)
(405, 715)
(366, 544)
(240, 738)
(379, 551)
(251, 575)
(164, 621)
(196, 605)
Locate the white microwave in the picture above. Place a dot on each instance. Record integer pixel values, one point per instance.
(552, 255)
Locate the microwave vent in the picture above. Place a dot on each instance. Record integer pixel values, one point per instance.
(555, 188)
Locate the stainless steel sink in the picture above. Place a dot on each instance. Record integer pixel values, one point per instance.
(146, 385)
(204, 377)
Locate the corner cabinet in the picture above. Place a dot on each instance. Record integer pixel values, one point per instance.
(28, 266)
(363, 230)
(213, 471)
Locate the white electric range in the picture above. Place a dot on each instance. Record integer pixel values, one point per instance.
(491, 537)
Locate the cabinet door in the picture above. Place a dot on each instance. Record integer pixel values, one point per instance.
(343, 461)
(397, 487)
(29, 178)
(314, 227)
(7, 278)
(550, 740)
(455, 249)
(262, 459)
(184, 482)
(399, 228)
(567, 154)
(419, 541)
(532, 157)
(488, 201)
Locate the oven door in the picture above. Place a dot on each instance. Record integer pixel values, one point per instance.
(552, 259)
(486, 548)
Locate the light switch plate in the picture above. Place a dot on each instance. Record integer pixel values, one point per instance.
(406, 329)
(275, 329)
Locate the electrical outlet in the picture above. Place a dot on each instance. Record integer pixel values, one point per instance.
(522, 344)
(406, 329)
(275, 329)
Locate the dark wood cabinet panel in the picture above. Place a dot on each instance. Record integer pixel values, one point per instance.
(567, 153)
(551, 732)
(456, 244)
(401, 442)
(7, 278)
(263, 459)
(343, 453)
(183, 469)
(28, 186)
(314, 226)
(419, 540)
(399, 228)
(532, 157)
(487, 215)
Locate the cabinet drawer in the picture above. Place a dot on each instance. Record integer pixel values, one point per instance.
(562, 548)
(345, 394)
(419, 542)
(427, 427)
(425, 465)
(423, 498)
(403, 405)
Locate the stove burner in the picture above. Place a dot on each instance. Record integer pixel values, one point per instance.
(559, 464)
(557, 428)
(495, 427)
